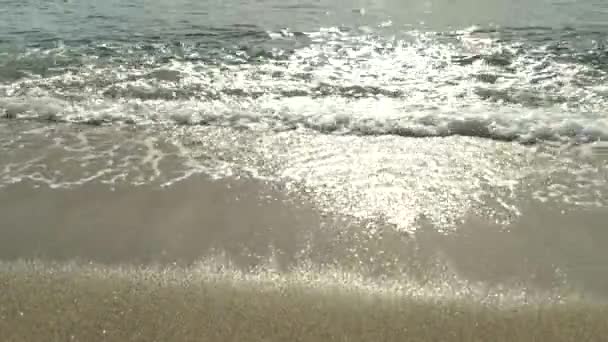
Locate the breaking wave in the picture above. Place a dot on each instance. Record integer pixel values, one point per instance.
(511, 84)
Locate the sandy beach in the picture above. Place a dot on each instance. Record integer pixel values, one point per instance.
(235, 260)
(94, 303)
(292, 170)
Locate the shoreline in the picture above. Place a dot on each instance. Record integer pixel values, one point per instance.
(226, 260)
(252, 222)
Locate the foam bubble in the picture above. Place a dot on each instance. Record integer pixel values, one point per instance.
(335, 115)
(493, 84)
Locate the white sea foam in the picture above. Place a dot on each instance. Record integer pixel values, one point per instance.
(420, 84)
(330, 115)
(247, 110)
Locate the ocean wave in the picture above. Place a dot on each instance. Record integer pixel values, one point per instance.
(327, 62)
(491, 83)
(332, 116)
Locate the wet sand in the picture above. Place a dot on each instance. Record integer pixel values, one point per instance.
(42, 303)
(149, 223)
(239, 260)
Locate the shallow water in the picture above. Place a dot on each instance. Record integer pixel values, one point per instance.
(461, 142)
